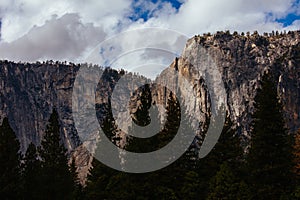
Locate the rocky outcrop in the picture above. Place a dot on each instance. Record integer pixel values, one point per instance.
(29, 92)
(242, 60)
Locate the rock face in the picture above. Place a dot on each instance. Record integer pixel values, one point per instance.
(29, 92)
(243, 59)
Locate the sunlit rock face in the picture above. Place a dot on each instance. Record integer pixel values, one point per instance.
(29, 92)
(243, 59)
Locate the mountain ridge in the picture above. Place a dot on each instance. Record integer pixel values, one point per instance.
(30, 91)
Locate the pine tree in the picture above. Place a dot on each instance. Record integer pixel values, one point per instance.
(97, 181)
(132, 186)
(140, 119)
(103, 183)
(31, 173)
(176, 177)
(296, 154)
(110, 129)
(227, 149)
(296, 164)
(55, 175)
(189, 159)
(100, 174)
(9, 162)
(77, 187)
(190, 185)
(270, 156)
(172, 122)
(226, 185)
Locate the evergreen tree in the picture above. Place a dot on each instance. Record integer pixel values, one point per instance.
(171, 176)
(296, 165)
(172, 122)
(9, 162)
(270, 156)
(181, 178)
(108, 125)
(56, 180)
(110, 129)
(31, 173)
(296, 154)
(296, 194)
(97, 181)
(100, 174)
(189, 159)
(140, 119)
(77, 187)
(227, 149)
(190, 185)
(143, 145)
(105, 183)
(177, 181)
(165, 193)
(226, 185)
(132, 186)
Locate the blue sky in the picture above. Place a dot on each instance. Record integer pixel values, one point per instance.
(80, 25)
(289, 19)
(145, 14)
(140, 12)
(291, 16)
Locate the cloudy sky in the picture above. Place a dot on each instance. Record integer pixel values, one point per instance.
(69, 29)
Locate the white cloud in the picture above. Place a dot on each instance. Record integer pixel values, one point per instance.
(66, 38)
(19, 16)
(66, 30)
(199, 16)
(138, 49)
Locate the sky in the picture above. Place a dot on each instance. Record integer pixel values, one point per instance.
(68, 30)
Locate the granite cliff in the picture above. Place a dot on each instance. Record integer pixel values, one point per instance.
(29, 91)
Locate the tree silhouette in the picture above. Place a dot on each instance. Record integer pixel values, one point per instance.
(296, 154)
(9, 162)
(31, 173)
(55, 175)
(227, 185)
(227, 149)
(270, 156)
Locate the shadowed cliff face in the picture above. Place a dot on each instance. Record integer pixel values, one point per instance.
(28, 92)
